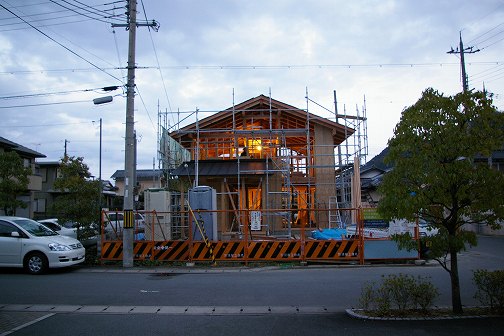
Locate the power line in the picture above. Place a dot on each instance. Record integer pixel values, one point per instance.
(101, 18)
(487, 73)
(473, 41)
(158, 64)
(145, 107)
(44, 104)
(94, 9)
(45, 94)
(491, 44)
(44, 125)
(60, 44)
(44, 26)
(256, 67)
(50, 16)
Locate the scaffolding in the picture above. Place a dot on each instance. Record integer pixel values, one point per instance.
(302, 168)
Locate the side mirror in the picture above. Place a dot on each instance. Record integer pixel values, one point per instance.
(15, 234)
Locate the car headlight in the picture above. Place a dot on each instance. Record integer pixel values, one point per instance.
(58, 247)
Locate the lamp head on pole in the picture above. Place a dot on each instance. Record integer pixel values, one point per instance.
(102, 100)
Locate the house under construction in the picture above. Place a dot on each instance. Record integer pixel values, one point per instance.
(265, 157)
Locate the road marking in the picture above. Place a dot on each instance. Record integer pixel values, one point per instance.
(26, 324)
(177, 310)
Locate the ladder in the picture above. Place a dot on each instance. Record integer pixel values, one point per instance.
(334, 213)
(201, 227)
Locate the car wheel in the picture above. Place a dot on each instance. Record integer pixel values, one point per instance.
(36, 263)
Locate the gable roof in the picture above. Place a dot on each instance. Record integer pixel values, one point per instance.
(141, 174)
(292, 118)
(23, 151)
(377, 162)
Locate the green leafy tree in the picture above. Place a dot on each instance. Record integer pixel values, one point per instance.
(79, 202)
(436, 177)
(13, 182)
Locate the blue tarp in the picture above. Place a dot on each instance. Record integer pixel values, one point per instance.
(327, 234)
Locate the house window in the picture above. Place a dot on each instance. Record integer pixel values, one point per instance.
(254, 147)
(40, 205)
(43, 173)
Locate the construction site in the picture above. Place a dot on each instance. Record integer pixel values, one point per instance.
(255, 182)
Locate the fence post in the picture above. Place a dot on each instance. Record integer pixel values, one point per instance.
(360, 229)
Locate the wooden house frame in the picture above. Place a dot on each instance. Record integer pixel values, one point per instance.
(267, 156)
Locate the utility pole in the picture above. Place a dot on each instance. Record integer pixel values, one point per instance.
(129, 160)
(66, 142)
(100, 171)
(462, 51)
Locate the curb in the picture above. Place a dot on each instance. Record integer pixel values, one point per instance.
(358, 314)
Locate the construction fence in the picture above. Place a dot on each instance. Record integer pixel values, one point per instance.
(196, 236)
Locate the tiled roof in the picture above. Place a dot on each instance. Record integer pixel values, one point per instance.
(141, 174)
(222, 167)
(20, 149)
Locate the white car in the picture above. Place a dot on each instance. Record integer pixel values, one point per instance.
(29, 244)
(52, 223)
(114, 223)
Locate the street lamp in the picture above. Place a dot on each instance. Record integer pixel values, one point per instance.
(100, 163)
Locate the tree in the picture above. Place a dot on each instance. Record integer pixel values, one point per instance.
(13, 182)
(435, 175)
(80, 201)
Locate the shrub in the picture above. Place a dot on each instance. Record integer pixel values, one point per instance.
(398, 293)
(490, 288)
(424, 294)
(400, 288)
(367, 298)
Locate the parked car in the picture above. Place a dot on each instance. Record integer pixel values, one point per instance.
(52, 223)
(88, 238)
(114, 223)
(30, 244)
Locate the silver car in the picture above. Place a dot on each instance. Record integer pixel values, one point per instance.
(29, 244)
(52, 223)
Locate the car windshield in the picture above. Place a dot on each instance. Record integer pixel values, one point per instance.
(35, 228)
(70, 225)
(113, 217)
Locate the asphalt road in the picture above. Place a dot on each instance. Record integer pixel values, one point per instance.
(193, 301)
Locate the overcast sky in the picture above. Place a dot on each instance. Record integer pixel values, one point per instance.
(55, 55)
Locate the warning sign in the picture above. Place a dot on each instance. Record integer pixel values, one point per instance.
(255, 220)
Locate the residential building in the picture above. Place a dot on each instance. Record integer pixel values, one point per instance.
(44, 198)
(145, 179)
(35, 180)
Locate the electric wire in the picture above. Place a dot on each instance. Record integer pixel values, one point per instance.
(83, 14)
(92, 9)
(487, 73)
(474, 40)
(491, 44)
(46, 94)
(145, 107)
(158, 64)
(50, 16)
(255, 67)
(60, 44)
(45, 125)
(44, 104)
(79, 46)
(118, 55)
(45, 25)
